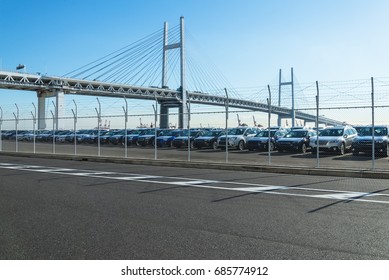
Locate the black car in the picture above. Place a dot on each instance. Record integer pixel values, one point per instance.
(295, 140)
(364, 141)
(261, 140)
(148, 136)
(182, 141)
(208, 139)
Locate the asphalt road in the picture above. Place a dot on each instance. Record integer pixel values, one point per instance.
(363, 161)
(53, 209)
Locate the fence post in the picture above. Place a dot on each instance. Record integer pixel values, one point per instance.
(125, 127)
(373, 126)
(1, 132)
(75, 127)
(33, 125)
(268, 125)
(317, 125)
(155, 129)
(16, 127)
(98, 126)
(53, 116)
(188, 109)
(226, 105)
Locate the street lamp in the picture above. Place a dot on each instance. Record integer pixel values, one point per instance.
(20, 67)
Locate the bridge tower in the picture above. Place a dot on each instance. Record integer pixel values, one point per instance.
(280, 84)
(183, 109)
(58, 111)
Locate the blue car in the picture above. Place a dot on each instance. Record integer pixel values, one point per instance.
(167, 140)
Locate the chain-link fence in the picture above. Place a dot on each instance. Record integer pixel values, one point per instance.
(130, 132)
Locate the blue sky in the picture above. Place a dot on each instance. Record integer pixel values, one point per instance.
(248, 40)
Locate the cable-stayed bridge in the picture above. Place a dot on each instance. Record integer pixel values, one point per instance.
(144, 62)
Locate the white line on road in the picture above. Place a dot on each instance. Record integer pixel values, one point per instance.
(196, 183)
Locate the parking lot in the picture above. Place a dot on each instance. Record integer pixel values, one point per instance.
(348, 160)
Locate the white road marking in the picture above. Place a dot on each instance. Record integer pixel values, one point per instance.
(191, 182)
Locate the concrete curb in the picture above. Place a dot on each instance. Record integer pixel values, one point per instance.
(353, 173)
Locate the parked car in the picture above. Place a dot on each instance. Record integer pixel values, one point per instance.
(167, 139)
(261, 139)
(104, 137)
(61, 135)
(182, 140)
(118, 136)
(147, 138)
(43, 135)
(237, 137)
(208, 139)
(334, 139)
(132, 137)
(296, 140)
(364, 141)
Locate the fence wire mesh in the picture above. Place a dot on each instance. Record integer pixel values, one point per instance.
(362, 106)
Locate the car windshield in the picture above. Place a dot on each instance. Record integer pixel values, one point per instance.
(192, 132)
(149, 131)
(163, 132)
(296, 134)
(378, 131)
(213, 133)
(236, 131)
(173, 133)
(265, 133)
(332, 132)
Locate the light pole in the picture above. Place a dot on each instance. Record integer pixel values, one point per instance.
(21, 66)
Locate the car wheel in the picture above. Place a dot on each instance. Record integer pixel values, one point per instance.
(271, 146)
(385, 152)
(241, 145)
(303, 148)
(342, 149)
(214, 145)
(191, 145)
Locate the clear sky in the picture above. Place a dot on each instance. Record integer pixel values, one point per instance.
(248, 40)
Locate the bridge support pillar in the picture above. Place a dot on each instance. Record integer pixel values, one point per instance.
(164, 116)
(59, 99)
(59, 107)
(41, 110)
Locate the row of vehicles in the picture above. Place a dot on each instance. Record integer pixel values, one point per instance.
(299, 139)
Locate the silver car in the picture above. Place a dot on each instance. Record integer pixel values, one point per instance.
(237, 137)
(334, 139)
